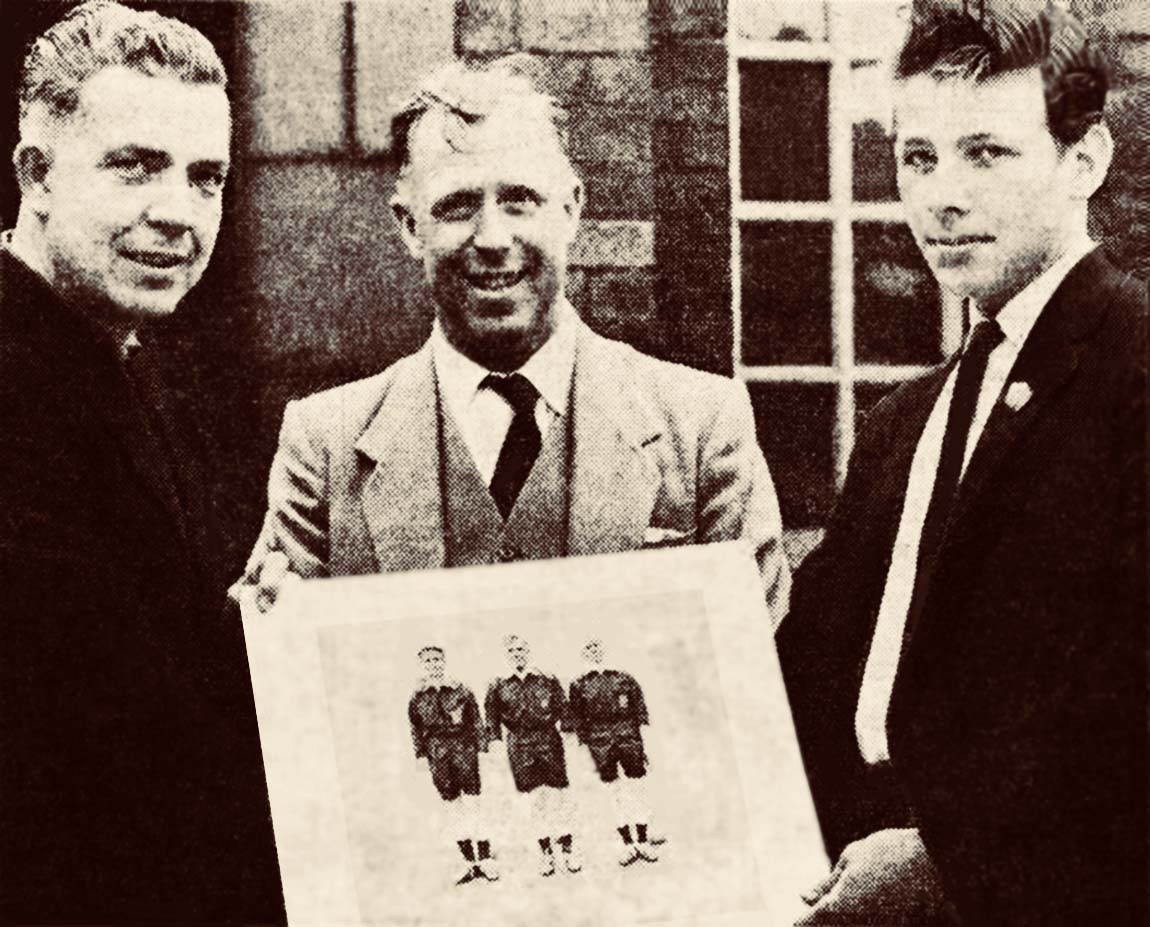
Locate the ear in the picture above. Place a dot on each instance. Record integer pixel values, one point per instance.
(33, 165)
(1088, 161)
(573, 205)
(407, 226)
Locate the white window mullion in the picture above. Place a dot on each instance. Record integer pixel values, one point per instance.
(734, 121)
(842, 253)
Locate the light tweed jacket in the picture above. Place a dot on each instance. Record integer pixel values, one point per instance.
(663, 454)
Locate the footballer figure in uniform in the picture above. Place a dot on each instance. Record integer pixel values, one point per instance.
(606, 708)
(531, 704)
(446, 730)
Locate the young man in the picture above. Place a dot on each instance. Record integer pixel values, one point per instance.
(532, 706)
(966, 656)
(448, 732)
(516, 433)
(606, 709)
(131, 783)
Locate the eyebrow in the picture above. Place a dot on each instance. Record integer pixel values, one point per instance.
(456, 198)
(217, 163)
(139, 151)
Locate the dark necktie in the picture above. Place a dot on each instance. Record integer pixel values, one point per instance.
(971, 370)
(523, 441)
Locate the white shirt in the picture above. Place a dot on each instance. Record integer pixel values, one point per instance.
(482, 415)
(1016, 319)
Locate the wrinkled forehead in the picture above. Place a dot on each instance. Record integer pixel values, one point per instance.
(503, 148)
(944, 110)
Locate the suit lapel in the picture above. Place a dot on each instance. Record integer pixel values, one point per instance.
(1048, 360)
(401, 497)
(615, 476)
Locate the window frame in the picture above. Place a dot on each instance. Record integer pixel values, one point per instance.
(841, 211)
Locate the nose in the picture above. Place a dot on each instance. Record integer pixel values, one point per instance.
(947, 194)
(493, 235)
(173, 204)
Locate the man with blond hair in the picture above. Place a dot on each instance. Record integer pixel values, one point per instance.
(516, 432)
(131, 784)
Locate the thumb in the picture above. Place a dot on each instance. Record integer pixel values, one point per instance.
(816, 891)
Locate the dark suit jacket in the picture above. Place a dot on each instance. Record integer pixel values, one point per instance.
(131, 783)
(1017, 726)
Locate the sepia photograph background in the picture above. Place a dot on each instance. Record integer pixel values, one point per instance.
(404, 857)
(741, 212)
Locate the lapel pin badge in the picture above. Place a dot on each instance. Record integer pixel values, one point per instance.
(1017, 395)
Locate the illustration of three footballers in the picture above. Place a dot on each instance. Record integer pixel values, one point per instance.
(604, 708)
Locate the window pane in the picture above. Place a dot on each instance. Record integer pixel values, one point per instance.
(786, 274)
(873, 155)
(898, 310)
(779, 20)
(795, 425)
(869, 395)
(783, 130)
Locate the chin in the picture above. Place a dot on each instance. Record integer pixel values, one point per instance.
(144, 307)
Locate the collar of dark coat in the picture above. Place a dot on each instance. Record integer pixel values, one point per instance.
(49, 325)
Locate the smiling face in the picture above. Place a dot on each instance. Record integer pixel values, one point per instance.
(593, 652)
(491, 209)
(433, 662)
(517, 653)
(990, 197)
(132, 199)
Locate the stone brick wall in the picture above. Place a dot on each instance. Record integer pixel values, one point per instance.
(1122, 211)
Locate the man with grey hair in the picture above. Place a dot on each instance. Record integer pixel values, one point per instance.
(131, 784)
(516, 432)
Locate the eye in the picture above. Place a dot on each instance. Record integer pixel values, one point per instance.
(520, 200)
(130, 168)
(455, 208)
(919, 160)
(986, 155)
(209, 179)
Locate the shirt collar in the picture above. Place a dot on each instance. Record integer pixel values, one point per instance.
(549, 369)
(527, 671)
(1022, 310)
(426, 682)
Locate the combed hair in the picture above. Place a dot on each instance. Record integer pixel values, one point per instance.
(102, 34)
(467, 94)
(981, 39)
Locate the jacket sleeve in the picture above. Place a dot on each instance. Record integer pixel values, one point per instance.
(736, 495)
(297, 518)
(474, 720)
(641, 716)
(491, 711)
(417, 738)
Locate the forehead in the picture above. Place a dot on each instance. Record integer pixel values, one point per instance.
(503, 149)
(1008, 105)
(119, 106)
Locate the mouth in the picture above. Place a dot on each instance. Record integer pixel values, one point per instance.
(158, 259)
(958, 241)
(493, 282)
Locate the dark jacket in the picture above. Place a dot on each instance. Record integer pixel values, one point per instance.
(131, 781)
(1017, 725)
